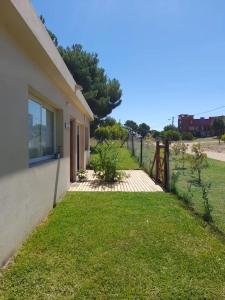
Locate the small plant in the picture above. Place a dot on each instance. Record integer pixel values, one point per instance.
(176, 148)
(174, 179)
(207, 216)
(183, 150)
(106, 162)
(179, 151)
(82, 175)
(198, 160)
(187, 197)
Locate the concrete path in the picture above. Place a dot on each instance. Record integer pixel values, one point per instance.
(136, 181)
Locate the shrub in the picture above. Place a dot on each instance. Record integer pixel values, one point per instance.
(179, 150)
(207, 216)
(198, 160)
(106, 162)
(171, 135)
(223, 138)
(114, 132)
(187, 136)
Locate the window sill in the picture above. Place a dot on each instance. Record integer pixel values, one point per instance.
(43, 160)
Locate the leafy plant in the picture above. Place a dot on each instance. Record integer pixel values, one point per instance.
(187, 136)
(183, 150)
(187, 197)
(198, 160)
(174, 179)
(82, 175)
(179, 150)
(207, 216)
(105, 164)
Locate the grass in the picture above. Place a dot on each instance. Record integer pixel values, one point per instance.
(126, 160)
(215, 175)
(118, 246)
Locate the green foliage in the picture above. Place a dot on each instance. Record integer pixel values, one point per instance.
(114, 132)
(187, 136)
(131, 126)
(223, 138)
(174, 179)
(143, 130)
(219, 127)
(82, 175)
(155, 134)
(170, 127)
(108, 121)
(207, 216)
(198, 160)
(171, 135)
(101, 93)
(179, 150)
(105, 164)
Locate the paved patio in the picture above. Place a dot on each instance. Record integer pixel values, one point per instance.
(136, 181)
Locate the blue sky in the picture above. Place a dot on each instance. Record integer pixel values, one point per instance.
(169, 55)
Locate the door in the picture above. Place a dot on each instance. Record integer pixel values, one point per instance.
(72, 152)
(78, 148)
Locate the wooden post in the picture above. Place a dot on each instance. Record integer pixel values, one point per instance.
(166, 166)
(157, 161)
(141, 150)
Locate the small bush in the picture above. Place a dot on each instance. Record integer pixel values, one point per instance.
(198, 160)
(174, 179)
(223, 138)
(105, 164)
(171, 135)
(207, 216)
(187, 136)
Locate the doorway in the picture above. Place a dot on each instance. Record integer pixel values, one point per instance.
(72, 152)
(78, 147)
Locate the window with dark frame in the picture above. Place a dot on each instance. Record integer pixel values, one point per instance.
(41, 132)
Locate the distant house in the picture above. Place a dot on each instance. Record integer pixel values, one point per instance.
(198, 127)
(44, 124)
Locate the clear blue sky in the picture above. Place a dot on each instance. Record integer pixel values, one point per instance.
(169, 55)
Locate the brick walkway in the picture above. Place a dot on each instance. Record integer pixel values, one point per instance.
(137, 181)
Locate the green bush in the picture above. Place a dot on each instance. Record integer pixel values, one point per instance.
(105, 164)
(187, 136)
(171, 135)
(223, 138)
(114, 132)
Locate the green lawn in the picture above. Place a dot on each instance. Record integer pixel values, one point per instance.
(118, 246)
(126, 161)
(215, 174)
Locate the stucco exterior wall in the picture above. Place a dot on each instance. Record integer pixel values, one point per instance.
(27, 193)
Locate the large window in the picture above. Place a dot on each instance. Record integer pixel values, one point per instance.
(41, 132)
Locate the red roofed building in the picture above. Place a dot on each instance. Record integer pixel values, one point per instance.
(198, 127)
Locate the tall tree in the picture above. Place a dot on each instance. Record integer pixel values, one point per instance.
(218, 127)
(131, 126)
(102, 93)
(143, 129)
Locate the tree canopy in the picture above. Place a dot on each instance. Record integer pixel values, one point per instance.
(102, 93)
(131, 126)
(143, 129)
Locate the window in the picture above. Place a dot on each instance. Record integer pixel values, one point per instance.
(41, 132)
